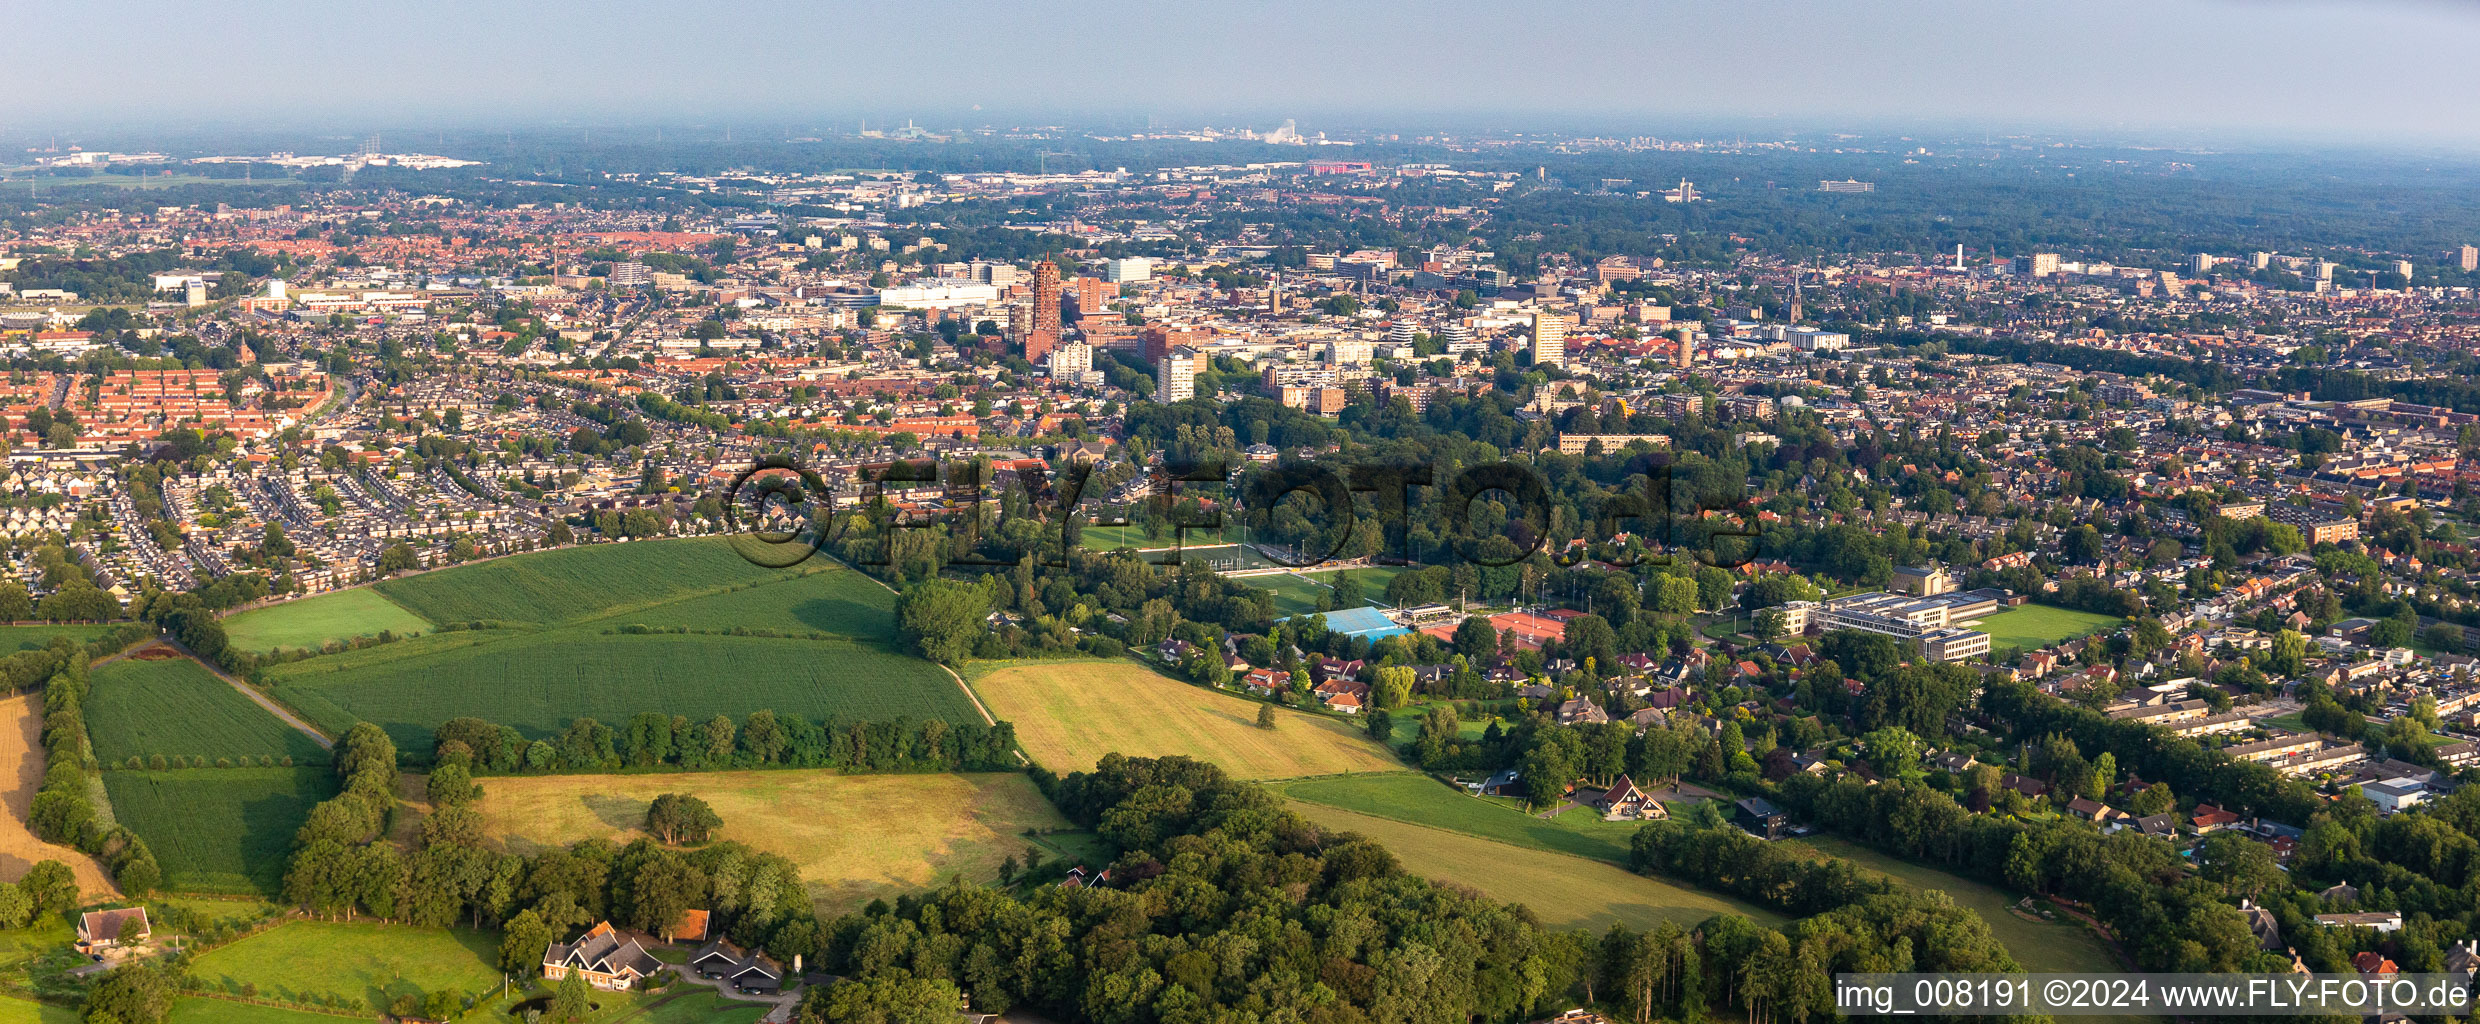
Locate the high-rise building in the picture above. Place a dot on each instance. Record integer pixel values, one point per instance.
(2321, 270)
(1040, 343)
(2201, 263)
(1071, 361)
(2039, 264)
(2468, 258)
(1127, 269)
(1093, 296)
(630, 275)
(1550, 338)
(2403, 268)
(1176, 376)
(1046, 298)
(2259, 260)
(1683, 351)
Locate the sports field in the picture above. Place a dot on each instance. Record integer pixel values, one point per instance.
(1070, 713)
(141, 708)
(1566, 892)
(1422, 800)
(2030, 627)
(313, 621)
(1297, 593)
(856, 837)
(219, 830)
(366, 961)
(2039, 945)
(584, 632)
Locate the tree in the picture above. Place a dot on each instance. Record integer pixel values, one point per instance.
(680, 818)
(1770, 624)
(523, 940)
(942, 618)
(136, 993)
(1265, 716)
(2290, 654)
(451, 784)
(892, 999)
(571, 1001)
(1394, 687)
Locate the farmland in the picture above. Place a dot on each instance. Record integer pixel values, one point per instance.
(1566, 892)
(571, 584)
(538, 683)
(856, 837)
(312, 622)
(220, 830)
(1425, 801)
(367, 962)
(141, 708)
(21, 768)
(2031, 627)
(588, 633)
(1070, 713)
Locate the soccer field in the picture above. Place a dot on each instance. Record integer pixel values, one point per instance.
(2030, 627)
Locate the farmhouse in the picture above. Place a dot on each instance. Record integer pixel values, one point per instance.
(608, 959)
(745, 970)
(99, 930)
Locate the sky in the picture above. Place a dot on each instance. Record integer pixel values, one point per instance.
(2367, 71)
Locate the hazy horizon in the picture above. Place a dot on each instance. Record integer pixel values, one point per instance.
(2387, 73)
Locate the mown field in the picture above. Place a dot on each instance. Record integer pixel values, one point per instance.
(856, 837)
(26, 638)
(1070, 713)
(312, 622)
(2030, 627)
(219, 830)
(1422, 800)
(175, 706)
(570, 584)
(366, 961)
(2061, 945)
(581, 633)
(27, 1011)
(1297, 593)
(539, 683)
(1565, 891)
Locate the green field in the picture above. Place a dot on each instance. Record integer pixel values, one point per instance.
(1068, 714)
(312, 622)
(1297, 593)
(1564, 891)
(1425, 801)
(27, 1011)
(205, 1010)
(565, 648)
(539, 682)
(26, 638)
(175, 706)
(1111, 538)
(2062, 946)
(219, 830)
(700, 1006)
(363, 960)
(2030, 627)
(571, 584)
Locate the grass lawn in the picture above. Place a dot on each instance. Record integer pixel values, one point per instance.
(1566, 892)
(312, 622)
(26, 1011)
(1297, 593)
(2062, 946)
(219, 830)
(690, 1004)
(26, 638)
(856, 837)
(1422, 800)
(217, 910)
(364, 960)
(2295, 722)
(1068, 714)
(175, 706)
(2030, 627)
(203, 1010)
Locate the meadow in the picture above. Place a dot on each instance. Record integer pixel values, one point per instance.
(366, 961)
(26, 638)
(1422, 800)
(1069, 713)
(141, 708)
(26, 1011)
(856, 837)
(2030, 627)
(570, 584)
(1564, 891)
(539, 683)
(2060, 945)
(219, 830)
(313, 621)
(206, 1010)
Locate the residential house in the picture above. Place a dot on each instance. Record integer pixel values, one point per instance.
(2377, 920)
(607, 958)
(1582, 712)
(1624, 802)
(747, 970)
(1762, 819)
(98, 930)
